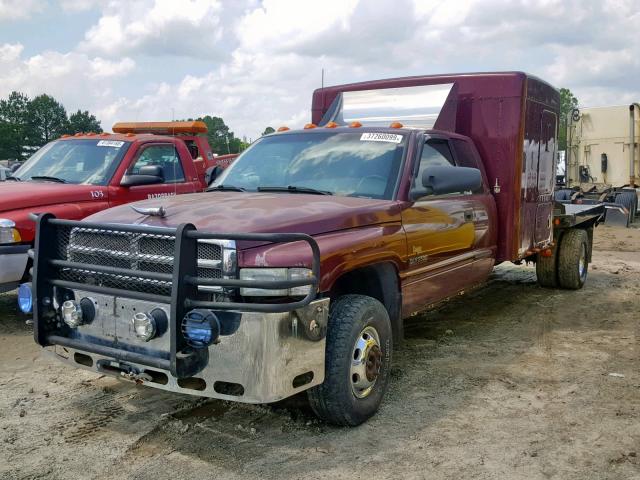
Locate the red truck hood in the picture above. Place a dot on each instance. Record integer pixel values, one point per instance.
(226, 212)
(24, 195)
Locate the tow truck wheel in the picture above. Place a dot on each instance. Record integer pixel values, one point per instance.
(573, 259)
(358, 357)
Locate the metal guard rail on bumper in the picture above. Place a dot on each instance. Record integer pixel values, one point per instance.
(184, 281)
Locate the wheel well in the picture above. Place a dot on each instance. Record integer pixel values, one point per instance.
(379, 281)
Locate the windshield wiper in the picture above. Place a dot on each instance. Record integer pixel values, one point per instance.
(11, 177)
(226, 188)
(294, 189)
(47, 177)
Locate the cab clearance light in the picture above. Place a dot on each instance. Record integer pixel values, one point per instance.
(396, 125)
(283, 129)
(331, 125)
(78, 134)
(309, 126)
(66, 135)
(355, 124)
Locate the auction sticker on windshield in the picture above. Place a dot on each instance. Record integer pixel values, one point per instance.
(110, 143)
(380, 137)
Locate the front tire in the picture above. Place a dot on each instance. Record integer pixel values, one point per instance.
(357, 362)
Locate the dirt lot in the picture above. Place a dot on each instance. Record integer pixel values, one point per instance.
(511, 381)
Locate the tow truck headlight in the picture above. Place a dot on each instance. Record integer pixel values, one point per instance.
(8, 232)
(274, 274)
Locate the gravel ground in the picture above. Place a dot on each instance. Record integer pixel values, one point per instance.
(510, 381)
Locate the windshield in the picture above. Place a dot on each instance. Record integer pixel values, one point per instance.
(84, 161)
(357, 164)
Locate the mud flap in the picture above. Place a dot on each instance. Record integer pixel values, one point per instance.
(617, 216)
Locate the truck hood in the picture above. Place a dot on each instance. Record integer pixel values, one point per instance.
(228, 212)
(25, 195)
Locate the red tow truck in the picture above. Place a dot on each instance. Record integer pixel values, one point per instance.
(76, 176)
(297, 267)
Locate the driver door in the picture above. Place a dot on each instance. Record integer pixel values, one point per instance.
(174, 182)
(440, 236)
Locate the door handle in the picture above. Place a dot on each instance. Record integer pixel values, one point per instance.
(468, 215)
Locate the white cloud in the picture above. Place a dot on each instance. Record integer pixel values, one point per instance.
(158, 27)
(79, 5)
(265, 57)
(74, 78)
(19, 9)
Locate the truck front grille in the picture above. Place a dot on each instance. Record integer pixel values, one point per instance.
(134, 251)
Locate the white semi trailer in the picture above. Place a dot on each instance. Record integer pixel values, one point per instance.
(603, 159)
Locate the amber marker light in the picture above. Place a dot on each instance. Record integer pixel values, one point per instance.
(309, 126)
(283, 128)
(556, 221)
(547, 252)
(355, 124)
(331, 125)
(396, 125)
(66, 135)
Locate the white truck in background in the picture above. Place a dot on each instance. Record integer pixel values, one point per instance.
(603, 160)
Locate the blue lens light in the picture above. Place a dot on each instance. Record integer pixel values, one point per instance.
(25, 298)
(200, 328)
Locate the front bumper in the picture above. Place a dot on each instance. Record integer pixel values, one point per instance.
(13, 262)
(267, 357)
(265, 351)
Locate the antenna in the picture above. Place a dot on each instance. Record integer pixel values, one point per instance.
(322, 80)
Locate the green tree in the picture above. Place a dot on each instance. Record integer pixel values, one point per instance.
(83, 122)
(47, 120)
(268, 130)
(13, 125)
(221, 139)
(568, 102)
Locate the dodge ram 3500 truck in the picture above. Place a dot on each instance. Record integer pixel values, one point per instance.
(295, 271)
(79, 175)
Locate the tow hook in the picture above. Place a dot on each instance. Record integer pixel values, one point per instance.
(136, 377)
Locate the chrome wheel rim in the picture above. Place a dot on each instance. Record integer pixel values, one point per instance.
(366, 362)
(582, 263)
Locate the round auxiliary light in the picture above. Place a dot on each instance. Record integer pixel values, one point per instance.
(144, 325)
(25, 298)
(200, 328)
(71, 313)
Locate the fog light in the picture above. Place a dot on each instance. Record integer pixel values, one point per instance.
(144, 325)
(71, 313)
(200, 328)
(25, 298)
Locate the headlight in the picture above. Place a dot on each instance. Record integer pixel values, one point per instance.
(8, 232)
(274, 274)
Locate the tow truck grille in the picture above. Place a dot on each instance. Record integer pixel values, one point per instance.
(132, 251)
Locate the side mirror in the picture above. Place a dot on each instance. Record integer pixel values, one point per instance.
(147, 175)
(443, 180)
(211, 174)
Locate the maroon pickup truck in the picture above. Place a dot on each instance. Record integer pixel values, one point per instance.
(295, 271)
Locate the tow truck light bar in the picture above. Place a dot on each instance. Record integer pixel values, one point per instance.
(161, 128)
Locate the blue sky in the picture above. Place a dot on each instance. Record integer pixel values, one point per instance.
(255, 63)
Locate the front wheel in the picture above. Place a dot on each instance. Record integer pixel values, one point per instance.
(357, 363)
